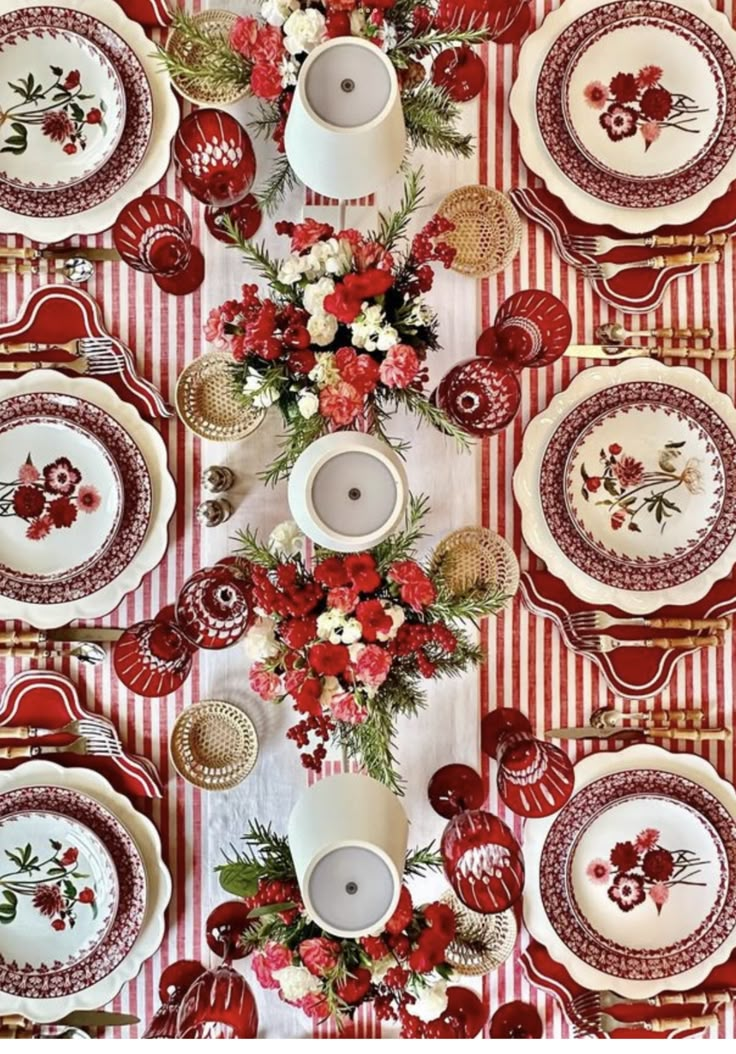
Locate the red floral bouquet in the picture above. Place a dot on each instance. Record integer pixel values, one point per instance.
(401, 971)
(350, 639)
(342, 339)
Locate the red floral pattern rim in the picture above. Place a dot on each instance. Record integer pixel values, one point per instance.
(136, 490)
(65, 979)
(134, 141)
(555, 125)
(630, 574)
(578, 933)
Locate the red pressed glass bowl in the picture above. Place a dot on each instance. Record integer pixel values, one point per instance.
(480, 396)
(532, 328)
(153, 658)
(175, 981)
(516, 1020)
(154, 234)
(454, 788)
(482, 861)
(465, 1011)
(461, 72)
(214, 156)
(213, 609)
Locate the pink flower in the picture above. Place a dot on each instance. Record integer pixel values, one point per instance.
(341, 403)
(305, 235)
(265, 80)
(618, 520)
(650, 131)
(243, 36)
(596, 95)
(342, 599)
(619, 122)
(416, 589)
(61, 477)
(273, 956)
(214, 327)
(28, 473)
(315, 1006)
(627, 891)
(88, 499)
(660, 894)
(648, 76)
(628, 471)
(39, 528)
(269, 45)
(319, 955)
(400, 366)
(343, 707)
(646, 839)
(598, 871)
(373, 666)
(264, 682)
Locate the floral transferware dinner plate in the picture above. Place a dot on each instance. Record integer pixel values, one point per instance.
(633, 880)
(627, 485)
(85, 500)
(628, 111)
(83, 891)
(77, 144)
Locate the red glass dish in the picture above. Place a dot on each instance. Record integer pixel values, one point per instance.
(214, 609)
(482, 861)
(465, 1012)
(516, 1020)
(531, 328)
(506, 20)
(479, 395)
(461, 72)
(153, 658)
(154, 234)
(454, 788)
(175, 981)
(214, 156)
(246, 217)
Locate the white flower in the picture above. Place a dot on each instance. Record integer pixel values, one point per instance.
(386, 338)
(328, 257)
(275, 12)
(307, 404)
(397, 616)
(430, 1002)
(260, 640)
(355, 651)
(325, 373)
(261, 397)
(419, 314)
(314, 294)
(286, 539)
(322, 329)
(296, 982)
(352, 631)
(370, 330)
(328, 622)
(289, 71)
(357, 22)
(291, 270)
(390, 37)
(304, 30)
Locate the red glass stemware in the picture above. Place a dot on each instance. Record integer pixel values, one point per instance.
(460, 71)
(175, 981)
(532, 328)
(214, 156)
(534, 778)
(505, 20)
(214, 607)
(516, 1020)
(480, 396)
(153, 658)
(454, 788)
(482, 861)
(465, 1012)
(246, 216)
(154, 234)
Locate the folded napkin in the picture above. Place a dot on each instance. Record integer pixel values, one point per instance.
(148, 12)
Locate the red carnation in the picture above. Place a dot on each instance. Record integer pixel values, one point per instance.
(62, 512)
(72, 80)
(656, 103)
(307, 698)
(373, 619)
(371, 283)
(337, 24)
(416, 588)
(319, 955)
(624, 87)
(328, 660)
(269, 45)
(28, 502)
(68, 857)
(355, 986)
(342, 305)
(265, 81)
(361, 572)
(658, 865)
(296, 633)
(429, 952)
(332, 572)
(361, 371)
(305, 235)
(296, 335)
(403, 913)
(343, 599)
(624, 856)
(441, 919)
(301, 361)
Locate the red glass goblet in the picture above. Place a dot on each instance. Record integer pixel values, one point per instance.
(532, 328)
(153, 658)
(516, 1020)
(460, 71)
(454, 788)
(465, 1011)
(480, 396)
(482, 861)
(154, 234)
(214, 607)
(214, 156)
(534, 778)
(246, 217)
(220, 1003)
(175, 981)
(505, 20)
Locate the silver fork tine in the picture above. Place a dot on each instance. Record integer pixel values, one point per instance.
(93, 345)
(581, 619)
(91, 727)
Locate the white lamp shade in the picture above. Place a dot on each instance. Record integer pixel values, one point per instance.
(348, 491)
(345, 133)
(347, 836)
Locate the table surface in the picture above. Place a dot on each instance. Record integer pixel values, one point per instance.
(527, 666)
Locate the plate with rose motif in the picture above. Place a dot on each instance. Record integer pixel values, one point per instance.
(75, 852)
(634, 878)
(628, 111)
(627, 485)
(75, 511)
(63, 105)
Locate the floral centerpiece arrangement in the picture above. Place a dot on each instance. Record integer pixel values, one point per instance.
(342, 339)
(265, 54)
(350, 639)
(401, 971)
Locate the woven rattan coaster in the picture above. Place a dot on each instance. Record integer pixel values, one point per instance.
(482, 943)
(487, 232)
(203, 92)
(214, 745)
(474, 558)
(207, 403)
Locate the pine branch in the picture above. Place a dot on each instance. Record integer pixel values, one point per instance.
(255, 551)
(300, 433)
(393, 225)
(411, 47)
(206, 58)
(372, 744)
(420, 861)
(471, 606)
(402, 544)
(268, 117)
(431, 117)
(427, 413)
(280, 181)
(255, 254)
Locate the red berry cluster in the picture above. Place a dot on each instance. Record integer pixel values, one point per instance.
(319, 726)
(273, 892)
(425, 245)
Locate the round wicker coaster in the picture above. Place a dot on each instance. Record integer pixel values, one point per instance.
(474, 558)
(487, 231)
(482, 943)
(214, 745)
(203, 92)
(207, 404)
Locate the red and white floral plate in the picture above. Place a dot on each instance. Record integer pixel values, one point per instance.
(78, 444)
(627, 485)
(633, 880)
(629, 111)
(118, 866)
(125, 161)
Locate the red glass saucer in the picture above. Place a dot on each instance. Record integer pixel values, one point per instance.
(517, 1020)
(454, 788)
(461, 72)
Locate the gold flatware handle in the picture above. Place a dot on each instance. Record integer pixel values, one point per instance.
(24, 652)
(708, 256)
(78, 365)
(11, 268)
(19, 732)
(24, 636)
(25, 347)
(673, 718)
(687, 333)
(689, 623)
(16, 1033)
(663, 241)
(683, 642)
(690, 998)
(18, 252)
(664, 1024)
(25, 750)
(693, 735)
(704, 354)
